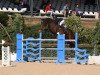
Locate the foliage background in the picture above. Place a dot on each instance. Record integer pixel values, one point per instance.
(88, 38)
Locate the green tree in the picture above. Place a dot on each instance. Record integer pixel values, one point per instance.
(87, 35)
(5, 30)
(96, 37)
(74, 23)
(4, 18)
(18, 23)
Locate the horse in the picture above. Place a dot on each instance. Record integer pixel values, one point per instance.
(55, 28)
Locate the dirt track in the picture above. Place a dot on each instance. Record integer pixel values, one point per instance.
(50, 69)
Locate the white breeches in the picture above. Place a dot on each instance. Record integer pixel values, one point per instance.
(62, 22)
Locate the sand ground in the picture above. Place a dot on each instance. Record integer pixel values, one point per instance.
(31, 68)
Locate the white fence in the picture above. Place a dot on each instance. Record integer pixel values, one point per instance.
(13, 57)
(5, 54)
(94, 60)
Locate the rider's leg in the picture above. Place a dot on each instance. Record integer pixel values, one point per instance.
(61, 23)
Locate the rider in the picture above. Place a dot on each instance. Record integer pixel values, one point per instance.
(59, 21)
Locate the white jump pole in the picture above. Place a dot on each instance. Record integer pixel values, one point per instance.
(5, 55)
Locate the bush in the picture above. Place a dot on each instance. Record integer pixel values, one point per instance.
(96, 38)
(31, 31)
(86, 36)
(74, 23)
(4, 18)
(18, 22)
(97, 32)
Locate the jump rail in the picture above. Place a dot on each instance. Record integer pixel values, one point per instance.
(79, 58)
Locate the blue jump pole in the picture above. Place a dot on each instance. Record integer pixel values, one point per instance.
(76, 46)
(76, 40)
(40, 37)
(61, 49)
(19, 47)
